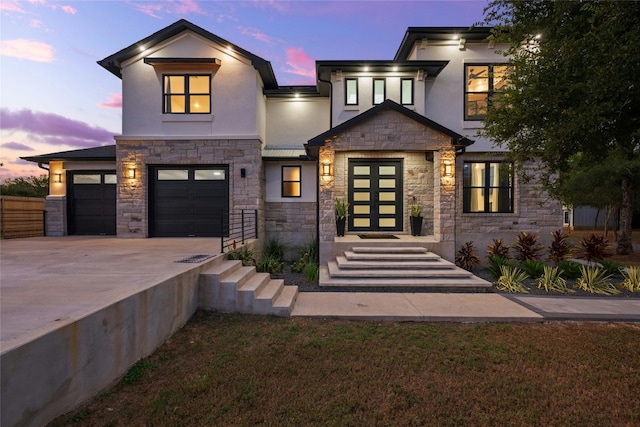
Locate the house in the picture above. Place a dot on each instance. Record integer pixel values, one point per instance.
(207, 131)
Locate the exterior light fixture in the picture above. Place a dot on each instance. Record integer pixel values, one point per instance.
(448, 170)
(57, 177)
(131, 173)
(326, 169)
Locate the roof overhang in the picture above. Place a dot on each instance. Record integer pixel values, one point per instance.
(325, 68)
(104, 153)
(439, 34)
(294, 92)
(112, 63)
(313, 145)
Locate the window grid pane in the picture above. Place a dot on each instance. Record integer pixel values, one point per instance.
(185, 94)
(291, 181)
(487, 187)
(378, 91)
(406, 92)
(351, 92)
(482, 83)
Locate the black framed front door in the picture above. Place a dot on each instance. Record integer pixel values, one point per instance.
(375, 195)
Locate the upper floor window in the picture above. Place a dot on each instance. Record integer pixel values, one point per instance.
(186, 94)
(379, 91)
(406, 92)
(483, 82)
(351, 92)
(291, 181)
(487, 187)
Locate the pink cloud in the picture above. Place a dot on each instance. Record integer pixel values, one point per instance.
(298, 62)
(258, 35)
(115, 101)
(68, 9)
(16, 146)
(27, 49)
(54, 129)
(11, 6)
(170, 7)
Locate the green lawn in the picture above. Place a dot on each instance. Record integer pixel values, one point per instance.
(237, 370)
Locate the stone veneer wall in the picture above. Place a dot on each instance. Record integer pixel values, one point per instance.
(56, 216)
(534, 212)
(132, 202)
(390, 134)
(291, 223)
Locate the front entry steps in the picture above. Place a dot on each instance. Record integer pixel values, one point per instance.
(229, 287)
(397, 267)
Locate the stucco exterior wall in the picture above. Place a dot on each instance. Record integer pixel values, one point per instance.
(292, 122)
(234, 85)
(133, 200)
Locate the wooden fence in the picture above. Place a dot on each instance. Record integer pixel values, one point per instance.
(21, 217)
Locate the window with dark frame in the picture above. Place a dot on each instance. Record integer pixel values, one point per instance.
(483, 84)
(379, 91)
(186, 94)
(351, 91)
(291, 181)
(406, 91)
(487, 187)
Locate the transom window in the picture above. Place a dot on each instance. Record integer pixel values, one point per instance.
(187, 94)
(351, 91)
(291, 181)
(483, 82)
(406, 92)
(379, 91)
(487, 187)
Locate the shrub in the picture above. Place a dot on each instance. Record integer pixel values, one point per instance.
(631, 278)
(560, 246)
(594, 280)
(594, 247)
(497, 248)
(467, 257)
(552, 280)
(496, 262)
(270, 264)
(308, 254)
(311, 271)
(527, 247)
(534, 269)
(611, 268)
(245, 255)
(570, 269)
(511, 279)
(273, 249)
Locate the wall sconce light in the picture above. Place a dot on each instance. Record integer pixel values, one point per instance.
(326, 169)
(448, 170)
(243, 173)
(57, 177)
(131, 173)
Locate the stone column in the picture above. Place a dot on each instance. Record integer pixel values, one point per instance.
(444, 203)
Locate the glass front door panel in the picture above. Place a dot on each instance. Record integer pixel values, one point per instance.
(375, 198)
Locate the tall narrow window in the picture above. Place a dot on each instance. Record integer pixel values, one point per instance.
(483, 84)
(406, 91)
(487, 187)
(186, 94)
(351, 91)
(379, 91)
(291, 181)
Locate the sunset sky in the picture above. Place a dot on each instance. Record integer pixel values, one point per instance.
(55, 97)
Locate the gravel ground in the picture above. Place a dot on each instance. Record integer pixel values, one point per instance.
(298, 279)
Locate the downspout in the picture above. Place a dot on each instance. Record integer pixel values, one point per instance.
(42, 167)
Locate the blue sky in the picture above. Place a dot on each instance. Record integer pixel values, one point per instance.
(54, 97)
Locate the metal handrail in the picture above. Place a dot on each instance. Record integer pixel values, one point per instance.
(238, 227)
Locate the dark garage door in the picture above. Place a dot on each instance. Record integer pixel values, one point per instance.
(188, 201)
(91, 205)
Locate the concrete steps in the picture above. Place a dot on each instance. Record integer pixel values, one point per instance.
(399, 267)
(230, 287)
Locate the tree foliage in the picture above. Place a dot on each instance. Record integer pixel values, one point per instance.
(573, 102)
(31, 186)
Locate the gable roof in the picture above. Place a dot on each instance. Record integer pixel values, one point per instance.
(313, 144)
(112, 62)
(104, 153)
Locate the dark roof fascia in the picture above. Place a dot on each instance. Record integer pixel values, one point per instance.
(153, 61)
(459, 141)
(414, 34)
(325, 68)
(294, 92)
(103, 153)
(112, 62)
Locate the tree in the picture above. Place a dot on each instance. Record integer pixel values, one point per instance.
(573, 102)
(31, 186)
